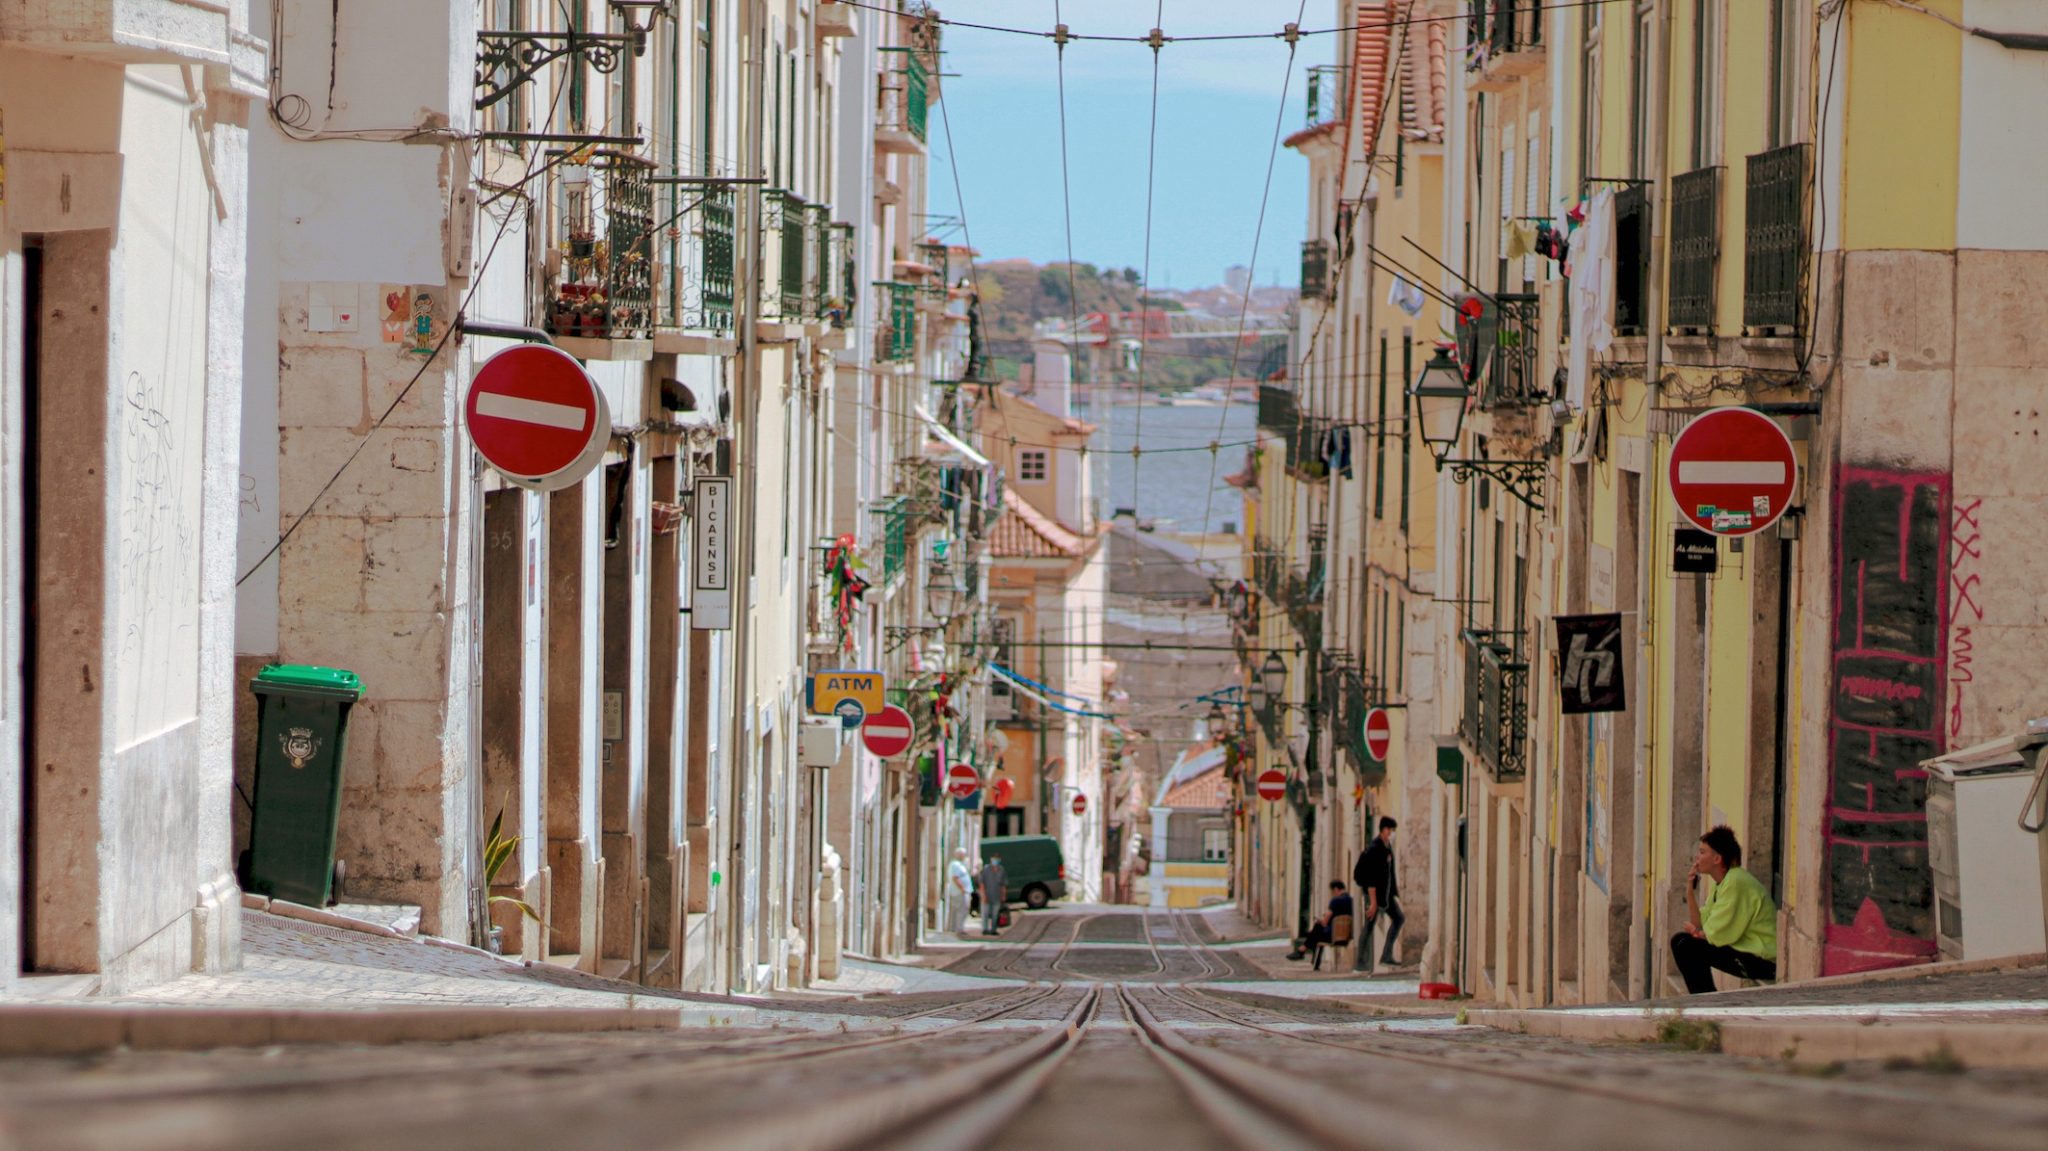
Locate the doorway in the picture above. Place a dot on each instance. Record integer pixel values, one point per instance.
(31, 462)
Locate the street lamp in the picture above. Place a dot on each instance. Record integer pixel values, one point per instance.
(637, 28)
(1272, 682)
(943, 593)
(1219, 723)
(1441, 396)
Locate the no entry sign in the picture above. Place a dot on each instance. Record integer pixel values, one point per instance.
(1379, 734)
(1272, 784)
(537, 416)
(888, 732)
(1732, 471)
(1080, 804)
(962, 780)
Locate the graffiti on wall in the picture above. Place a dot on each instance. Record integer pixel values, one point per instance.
(1891, 562)
(1965, 612)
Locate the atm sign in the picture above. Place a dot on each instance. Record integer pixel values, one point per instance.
(825, 690)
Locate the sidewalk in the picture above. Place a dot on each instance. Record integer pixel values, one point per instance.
(305, 981)
(1977, 1014)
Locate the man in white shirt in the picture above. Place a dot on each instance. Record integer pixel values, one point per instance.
(959, 886)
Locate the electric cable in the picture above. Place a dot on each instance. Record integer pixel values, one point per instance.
(1145, 272)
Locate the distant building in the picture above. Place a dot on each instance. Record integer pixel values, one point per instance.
(1191, 831)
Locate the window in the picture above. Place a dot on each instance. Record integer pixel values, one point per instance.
(1031, 466)
(706, 91)
(1641, 94)
(1589, 89)
(1215, 844)
(1784, 105)
(1379, 441)
(1706, 82)
(1407, 373)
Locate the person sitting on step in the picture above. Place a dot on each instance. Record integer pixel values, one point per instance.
(1735, 929)
(1334, 928)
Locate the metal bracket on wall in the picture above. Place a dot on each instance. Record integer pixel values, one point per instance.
(506, 60)
(1523, 479)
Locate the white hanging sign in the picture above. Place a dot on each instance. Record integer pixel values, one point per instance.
(711, 555)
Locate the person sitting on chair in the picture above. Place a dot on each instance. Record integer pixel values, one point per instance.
(1334, 928)
(1735, 929)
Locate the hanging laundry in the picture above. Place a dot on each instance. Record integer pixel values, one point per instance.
(1406, 296)
(1337, 451)
(1519, 239)
(1592, 294)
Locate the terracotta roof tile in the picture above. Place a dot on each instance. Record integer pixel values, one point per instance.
(1024, 532)
(1211, 789)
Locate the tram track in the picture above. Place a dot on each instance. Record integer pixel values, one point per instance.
(1397, 1129)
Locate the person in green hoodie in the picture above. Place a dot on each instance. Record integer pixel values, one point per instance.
(1735, 929)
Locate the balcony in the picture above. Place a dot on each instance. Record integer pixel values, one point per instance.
(1315, 270)
(1348, 697)
(896, 340)
(1695, 250)
(1277, 409)
(893, 515)
(840, 294)
(787, 257)
(901, 107)
(1631, 260)
(1328, 86)
(1775, 242)
(603, 289)
(1298, 593)
(1509, 377)
(1495, 720)
(1508, 40)
(1305, 459)
(698, 293)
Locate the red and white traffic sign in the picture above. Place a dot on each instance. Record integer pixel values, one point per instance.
(1272, 783)
(537, 416)
(1080, 804)
(962, 780)
(1732, 471)
(888, 732)
(1379, 734)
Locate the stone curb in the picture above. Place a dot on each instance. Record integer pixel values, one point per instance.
(50, 1030)
(1807, 1041)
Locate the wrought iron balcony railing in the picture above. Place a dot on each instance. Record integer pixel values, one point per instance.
(1278, 411)
(1315, 270)
(1775, 241)
(902, 103)
(894, 514)
(1328, 85)
(605, 288)
(1495, 720)
(1510, 379)
(896, 341)
(1506, 26)
(786, 256)
(698, 293)
(1695, 249)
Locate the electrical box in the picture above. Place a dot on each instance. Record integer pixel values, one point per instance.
(821, 740)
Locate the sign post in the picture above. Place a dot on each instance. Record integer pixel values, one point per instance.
(1379, 734)
(888, 732)
(1272, 784)
(1732, 471)
(962, 780)
(537, 417)
(711, 554)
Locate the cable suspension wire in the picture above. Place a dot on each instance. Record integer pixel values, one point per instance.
(1066, 185)
(1145, 274)
(1251, 279)
(1290, 33)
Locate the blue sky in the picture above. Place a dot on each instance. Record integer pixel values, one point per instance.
(1217, 109)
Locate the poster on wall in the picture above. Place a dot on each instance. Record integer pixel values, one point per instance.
(1589, 664)
(711, 555)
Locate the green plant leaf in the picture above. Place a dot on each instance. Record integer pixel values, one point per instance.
(525, 907)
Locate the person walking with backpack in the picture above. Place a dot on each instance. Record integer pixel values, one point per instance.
(1376, 878)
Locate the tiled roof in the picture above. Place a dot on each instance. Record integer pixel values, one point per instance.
(1211, 789)
(1370, 46)
(1024, 532)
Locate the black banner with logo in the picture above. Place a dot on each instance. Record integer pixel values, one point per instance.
(1589, 663)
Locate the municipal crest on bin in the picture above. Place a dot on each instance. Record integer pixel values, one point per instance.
(299, 745)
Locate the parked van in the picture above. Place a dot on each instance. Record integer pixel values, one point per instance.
(1036, 869)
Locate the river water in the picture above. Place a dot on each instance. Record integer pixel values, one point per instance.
(1176, 478)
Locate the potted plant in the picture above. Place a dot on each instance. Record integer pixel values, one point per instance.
(498, 851)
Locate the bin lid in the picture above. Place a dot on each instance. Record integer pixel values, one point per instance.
(306, 679)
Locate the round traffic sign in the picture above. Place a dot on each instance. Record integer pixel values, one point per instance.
(851, 714)
(1080, 804)
(537, 416)
(1272, 783)
(1732, 471)
(1379, 734)
(962, 780)
(888, 732)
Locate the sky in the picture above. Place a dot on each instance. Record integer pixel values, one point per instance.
(1218, 106)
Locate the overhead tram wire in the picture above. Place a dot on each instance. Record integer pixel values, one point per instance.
(1220, 37)
(1252, 269)
(1145, 275)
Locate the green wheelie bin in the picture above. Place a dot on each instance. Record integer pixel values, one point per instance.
(301, 725)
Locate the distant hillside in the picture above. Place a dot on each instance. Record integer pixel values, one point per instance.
(1017, 294)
